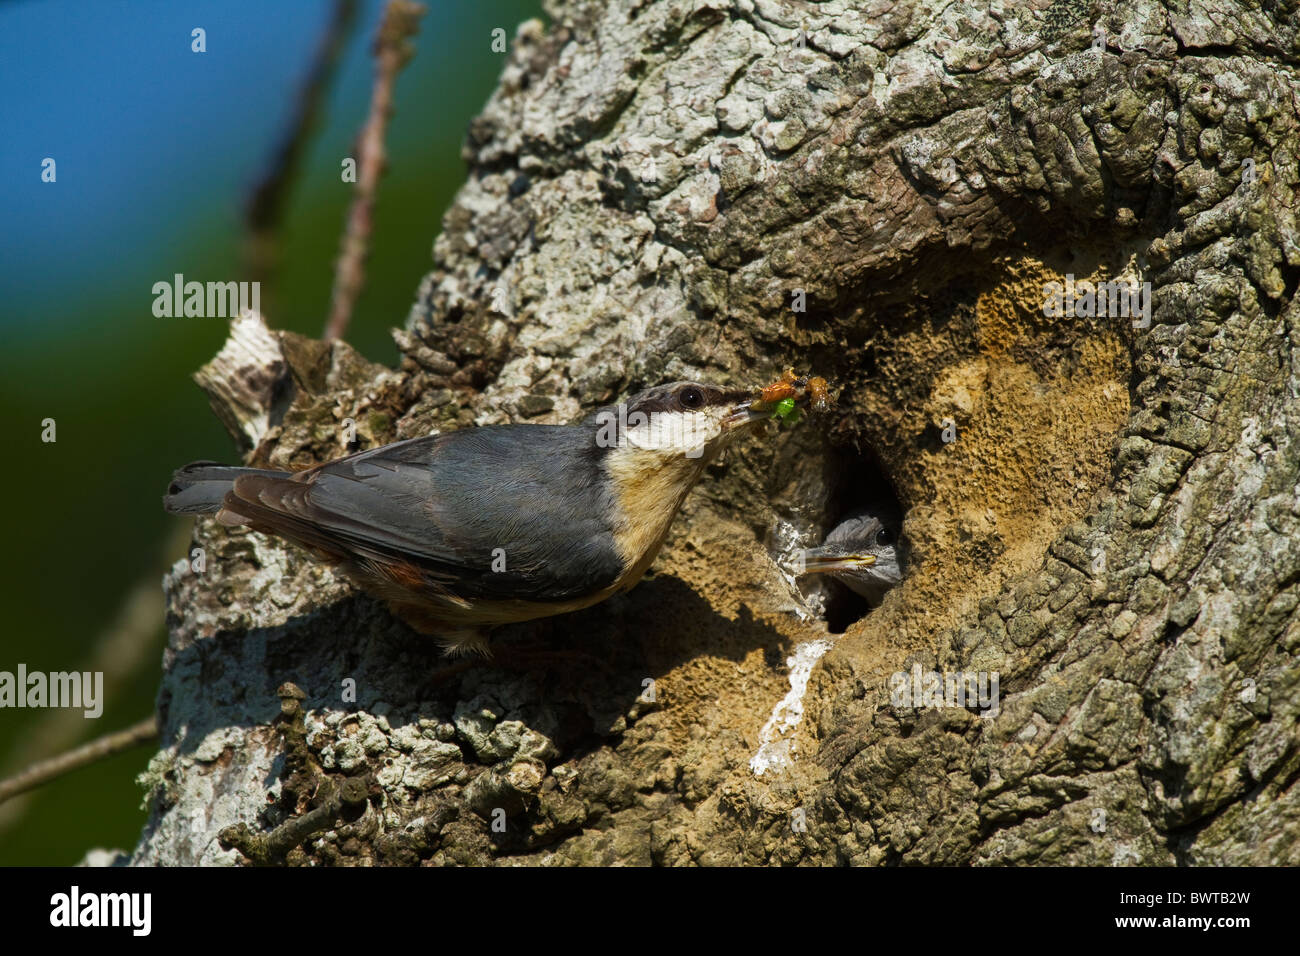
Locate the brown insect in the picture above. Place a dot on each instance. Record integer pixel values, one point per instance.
(787, 386)
(818, 394)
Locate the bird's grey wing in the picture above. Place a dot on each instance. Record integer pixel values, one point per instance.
(482, 512)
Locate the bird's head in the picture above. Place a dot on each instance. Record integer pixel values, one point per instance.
(656, 445)
(682, 422)
(862, 552)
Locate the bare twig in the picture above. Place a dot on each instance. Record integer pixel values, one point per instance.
(106, 746)
(392, 51)
(271, 848)
(268, 198)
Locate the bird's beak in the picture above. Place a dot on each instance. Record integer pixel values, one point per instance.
(748, 411)
(817, 561)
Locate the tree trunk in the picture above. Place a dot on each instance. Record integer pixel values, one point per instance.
(1101, 510)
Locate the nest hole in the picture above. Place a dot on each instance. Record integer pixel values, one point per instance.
(980, 423)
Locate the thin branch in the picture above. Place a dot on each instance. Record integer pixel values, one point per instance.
(264, 210)
(107, 746)
(392, 51)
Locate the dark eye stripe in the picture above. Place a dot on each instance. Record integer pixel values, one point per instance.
(668, 398)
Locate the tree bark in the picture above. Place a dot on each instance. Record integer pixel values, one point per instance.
(1104, 516)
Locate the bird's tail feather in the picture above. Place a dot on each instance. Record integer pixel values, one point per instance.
(200, 487)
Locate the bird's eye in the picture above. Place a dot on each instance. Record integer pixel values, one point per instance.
(691, 397)
(883, 537)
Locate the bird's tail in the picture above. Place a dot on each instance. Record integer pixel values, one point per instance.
(200, 487)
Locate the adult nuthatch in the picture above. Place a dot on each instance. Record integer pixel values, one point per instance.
(862, 552)
(468, 530)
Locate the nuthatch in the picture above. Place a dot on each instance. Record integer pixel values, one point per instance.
(862, 552)
(474, 528)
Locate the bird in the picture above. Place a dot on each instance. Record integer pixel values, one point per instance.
(467, 530)
(861, 552)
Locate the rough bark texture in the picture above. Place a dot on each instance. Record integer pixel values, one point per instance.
(1113, 530)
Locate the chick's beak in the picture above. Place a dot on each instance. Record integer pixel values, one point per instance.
(818, 561)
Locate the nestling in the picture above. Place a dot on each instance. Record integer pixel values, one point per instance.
(468, 530)
(862, 552)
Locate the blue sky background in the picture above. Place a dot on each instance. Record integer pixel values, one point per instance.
(156, 147)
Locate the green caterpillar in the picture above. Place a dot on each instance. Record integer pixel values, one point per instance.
(786, 413)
